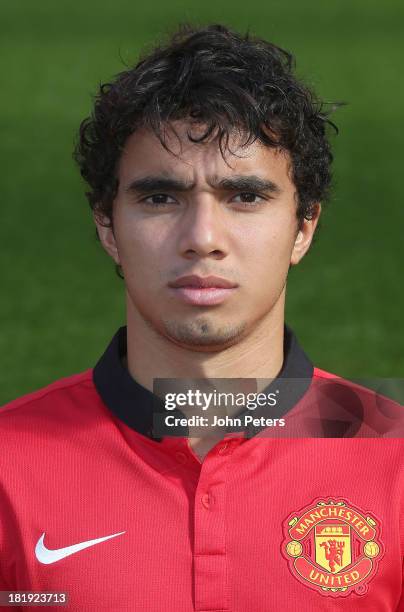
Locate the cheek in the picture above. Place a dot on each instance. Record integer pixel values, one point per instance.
(268, 248)
(141, 249)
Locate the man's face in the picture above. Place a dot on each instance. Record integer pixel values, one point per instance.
(198, 215)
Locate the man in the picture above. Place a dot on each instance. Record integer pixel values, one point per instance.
(207, 164)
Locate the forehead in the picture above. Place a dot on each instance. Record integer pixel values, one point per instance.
(144, 154)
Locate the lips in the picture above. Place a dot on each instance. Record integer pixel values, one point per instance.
(203, 291)
(199, 282)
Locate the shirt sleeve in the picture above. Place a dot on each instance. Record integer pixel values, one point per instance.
(3, 553)
(401, 604)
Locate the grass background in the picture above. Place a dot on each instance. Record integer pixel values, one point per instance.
(61, 301)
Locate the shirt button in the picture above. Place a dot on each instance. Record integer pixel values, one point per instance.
(205, 499)
(222, 450)
(180, 457)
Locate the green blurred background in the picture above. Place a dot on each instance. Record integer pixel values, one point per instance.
(61, 301)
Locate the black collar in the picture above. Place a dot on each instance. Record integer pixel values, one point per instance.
(135, 405)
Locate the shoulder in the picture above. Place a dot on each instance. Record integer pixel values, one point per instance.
(47, 402)
(60, 420)
(369, 412)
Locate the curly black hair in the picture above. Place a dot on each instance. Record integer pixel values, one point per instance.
(224, 80)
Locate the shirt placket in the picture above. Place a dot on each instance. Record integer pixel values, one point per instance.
(210, 528)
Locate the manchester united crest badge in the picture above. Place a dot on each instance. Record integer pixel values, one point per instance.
(333, 547)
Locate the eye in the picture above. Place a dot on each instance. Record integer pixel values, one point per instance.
(158, 200)
(248, 199)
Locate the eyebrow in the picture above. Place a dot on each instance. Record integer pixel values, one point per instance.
(239, 182)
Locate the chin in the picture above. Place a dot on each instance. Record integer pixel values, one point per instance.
(203, 335)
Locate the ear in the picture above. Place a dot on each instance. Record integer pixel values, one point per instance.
(106, 235)
(305, 236)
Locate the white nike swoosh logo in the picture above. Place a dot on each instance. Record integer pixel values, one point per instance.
(44, 555)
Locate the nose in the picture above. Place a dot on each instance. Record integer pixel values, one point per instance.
(203, 231)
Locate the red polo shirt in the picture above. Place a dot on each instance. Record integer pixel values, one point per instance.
(92, 505)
